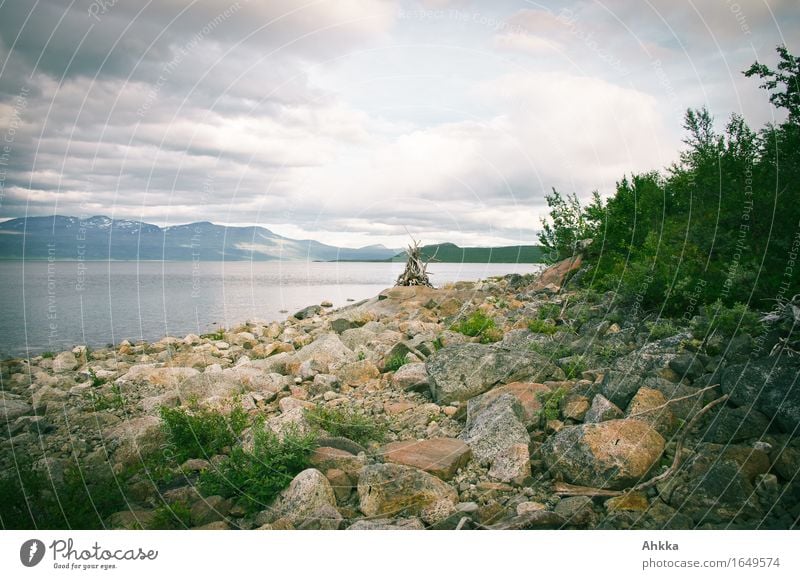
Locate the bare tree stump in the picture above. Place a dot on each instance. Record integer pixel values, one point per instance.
(415, 273)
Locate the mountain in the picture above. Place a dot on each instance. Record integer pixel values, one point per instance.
(102, 238)
(451, 253)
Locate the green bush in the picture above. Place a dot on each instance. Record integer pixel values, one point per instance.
(480, 325)
(395, 363)
(551, 402)
(727, 321)
(345, 422)
(540, 326)
(84, 500)
(256, 477)
(172, 516)
(661, 329)
(201, 433)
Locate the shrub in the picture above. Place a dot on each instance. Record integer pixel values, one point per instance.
(726, 321)
(472, 326)
(172, 516)
(540, 326)
(490, 335)
(257, 477)
(395, 363)
(201, 433)
(549, 312)
(114, 400)
(214, 336)
(551, 401)
(661, 329)
(345, 422)
(96, 381)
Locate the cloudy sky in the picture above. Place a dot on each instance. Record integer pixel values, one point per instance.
(354, 121)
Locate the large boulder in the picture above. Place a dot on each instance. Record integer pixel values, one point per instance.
(411, 377)
(527, 394)
(768, 385)
(439, 456)
(166, 377)
(309, 496)
(462, 371)
(135, 438)
(357, 373)
(65, 362)
(496, 428)
(327, 349)
(602, 409)
(395, 490)
(11, 409)
(614, 454)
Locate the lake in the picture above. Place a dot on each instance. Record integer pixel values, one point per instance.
(52, 306)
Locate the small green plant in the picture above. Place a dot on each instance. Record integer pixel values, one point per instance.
(490, 335)
(574, 367)
(437, 344)
(48, 355)
(549, 312)
(551, 402)
(474, 325)
(96, 381)
(171, 516)
(346, 422)
(215, 336)
(257, 477)
(551, 349)
(395, 363)
(361, 356)
(201, 433)
(661, 329)
(113, 400)
(542, 327)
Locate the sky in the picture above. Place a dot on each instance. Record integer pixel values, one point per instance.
(357, 122)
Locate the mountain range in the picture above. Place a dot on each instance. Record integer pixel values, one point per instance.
(102, 238)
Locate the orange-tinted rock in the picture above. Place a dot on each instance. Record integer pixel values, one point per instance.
(636, 502)
(557, 274)
(650, 406)
(527, 393)
(397, 407)
(439, 456)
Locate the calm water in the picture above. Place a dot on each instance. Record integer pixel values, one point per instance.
(53, 306)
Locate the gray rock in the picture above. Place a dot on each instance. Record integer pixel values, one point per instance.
(64, 362)
(410, 524)
(11, 409)
(768, 385)
(307, 495)
(411, 377)
(496, 428)
(602, 409)
(308, 312)
(731, 425)
(327, 349)
(512, 465)
(577, 511)
(462, 371)
(356, 337)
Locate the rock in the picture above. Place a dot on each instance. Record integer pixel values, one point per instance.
(131, 520)
(614, 454)
(397, 407)
(635, 502)
(288, 404)
(213, 526)
(577, 511)
(731, 425)
(411, 377)
(326, 457)
(768, 386)
(393, 489)
(643, 406)
(786, 462)
(356, 337)
(532, 520)
(497, 427)
(325, 304)
(602, 409)
(210, 509)
(327, 349)
(575, 407)
(715, 485)
(512, 464)
(527, 507)
(341, 484)
(308, 312)
(307, 494)
(168, 378)
(465, 370)
(293, 421)
(527, 394)
(323, 383)
(47, 396)
(311, 368)
(410, 524)
(65, 362)
(357, 373)
(11, 409)
(691, 366)
(339, 325)
(136, 438)
(439, 456)
(557, 274)
(341, 443)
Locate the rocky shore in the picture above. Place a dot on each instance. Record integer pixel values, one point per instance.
(510, 403)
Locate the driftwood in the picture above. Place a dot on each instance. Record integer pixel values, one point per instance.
(415, 273)
(565, 489)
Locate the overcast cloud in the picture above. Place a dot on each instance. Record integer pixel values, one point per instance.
(352, 121)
